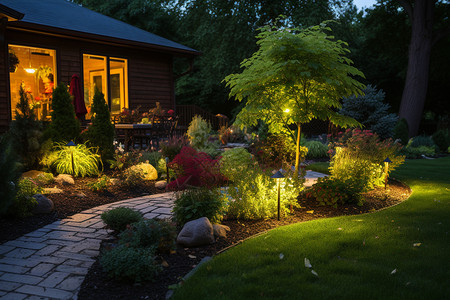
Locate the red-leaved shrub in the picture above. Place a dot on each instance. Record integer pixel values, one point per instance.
(194, 169)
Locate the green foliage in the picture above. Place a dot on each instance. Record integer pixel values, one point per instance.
(303, 70)
(24, 202)
(172, 147)
(45, 178)
(158, 234)
(130, 264)
(316, 149)
(417, 152)
(155, 159)
(101, 133)
(64, 125)
(198, 134)
(370, 110)
(137, 175)
(192, 204)
(8, 175)
(25, 133)
(421, 140)
(334, 192)
(118, 218)
(101, 185)
(234, 162)
(401, 131)
(85, 161)
(442, 139)
(254, 195)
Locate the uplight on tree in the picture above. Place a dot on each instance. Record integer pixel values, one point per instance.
(304, 71)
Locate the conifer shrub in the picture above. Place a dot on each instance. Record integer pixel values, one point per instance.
(23, 201)
(64, 125)
(25, 133)
(442, 139)
(198, 133)
(8, 175)
(401, 131)
(101, 133)
(370, 110)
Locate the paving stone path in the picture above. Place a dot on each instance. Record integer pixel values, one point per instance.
(51, 262)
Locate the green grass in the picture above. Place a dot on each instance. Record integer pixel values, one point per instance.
(354, 256)
(321, 167)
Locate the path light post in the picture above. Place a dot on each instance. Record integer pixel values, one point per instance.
(278, 176)
(70, 145)
(386, 171)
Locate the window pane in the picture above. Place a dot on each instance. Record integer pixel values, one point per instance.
(119, 84)
(94, 74)
(34, 70)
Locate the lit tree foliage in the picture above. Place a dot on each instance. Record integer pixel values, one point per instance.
(295, 76)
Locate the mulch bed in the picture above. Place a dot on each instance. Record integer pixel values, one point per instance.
(96, 285)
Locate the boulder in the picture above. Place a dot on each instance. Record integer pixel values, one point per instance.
(64, 179)
(53, 190)
(33, 174)
(43, 206)
(147, 170)
(220, 230)
(161, 184)
(196, 233)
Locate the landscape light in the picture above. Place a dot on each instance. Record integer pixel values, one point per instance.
(278, 176)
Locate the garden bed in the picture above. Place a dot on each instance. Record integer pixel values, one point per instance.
(97, 284)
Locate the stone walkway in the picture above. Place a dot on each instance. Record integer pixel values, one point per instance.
(51, 262)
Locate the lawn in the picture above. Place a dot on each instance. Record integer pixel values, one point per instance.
(401, 252)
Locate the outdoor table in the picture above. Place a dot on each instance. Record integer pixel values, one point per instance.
(133, 130)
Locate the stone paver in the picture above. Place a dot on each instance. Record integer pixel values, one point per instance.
(51, 262)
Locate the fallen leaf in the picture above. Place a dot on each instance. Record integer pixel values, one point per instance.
(281, 255)
(192, 256)
(307, 263)
(394, 271)
(314, 273)
(310, 211)
(417, 244)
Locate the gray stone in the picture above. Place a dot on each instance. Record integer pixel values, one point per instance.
(196, 233)
(161, 184)
(64, 179)
(53, 190)
(43, 206)
(220, 230)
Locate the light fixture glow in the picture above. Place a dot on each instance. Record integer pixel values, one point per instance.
(287, 110)
(30, 70)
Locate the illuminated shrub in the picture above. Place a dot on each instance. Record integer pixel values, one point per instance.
(24, 202)
(316, 149)
(118, 218)
(198, 134)
(85, 161)
(334, 192)
(234, 162)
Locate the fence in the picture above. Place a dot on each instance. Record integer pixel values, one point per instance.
(185, 114)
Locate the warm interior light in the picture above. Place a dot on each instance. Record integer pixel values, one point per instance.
(30, 70)
(287, 110)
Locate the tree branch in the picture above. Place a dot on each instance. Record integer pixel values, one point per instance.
(408, 8)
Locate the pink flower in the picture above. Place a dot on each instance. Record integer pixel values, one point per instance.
(170, 111)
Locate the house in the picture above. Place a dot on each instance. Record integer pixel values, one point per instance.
(50, 40)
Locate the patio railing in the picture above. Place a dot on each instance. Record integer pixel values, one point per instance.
(187, 112)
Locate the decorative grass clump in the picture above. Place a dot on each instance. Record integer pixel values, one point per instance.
(77, 160)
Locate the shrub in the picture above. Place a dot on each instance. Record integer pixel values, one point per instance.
(334, 192)
(359, 157)
(158, 234)
(45, 178)
(64, 125)
(401, 131)
(101, 133)
(194, 169)
(417, 152)
(254, 196)
(130, 264)
(24, 202)
(277, 151)
(8, 175)
(198, 134)
(442, 139)
(118, 218)
(369, 110)
(316, 149)
(192, 204)
(234, 162)
(172, 147)
(85, 161)
(421, 140)
(101, 185)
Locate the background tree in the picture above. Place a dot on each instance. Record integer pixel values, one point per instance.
(295, 76)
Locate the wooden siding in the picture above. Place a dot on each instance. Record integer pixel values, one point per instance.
(150, 77)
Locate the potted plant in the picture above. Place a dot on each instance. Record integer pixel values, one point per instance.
(13, 60)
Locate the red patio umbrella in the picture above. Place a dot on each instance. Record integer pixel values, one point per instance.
(78, 97)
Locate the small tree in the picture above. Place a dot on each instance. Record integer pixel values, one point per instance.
(295, 76)
(64, 125)
(101, 133)
(25, 133)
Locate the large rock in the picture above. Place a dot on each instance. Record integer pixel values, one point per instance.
(53, 190)
(64, 179)
(161, 184)
(147, 170)
(220, 230)
(43, 206)
(33, 174)
(196, 233)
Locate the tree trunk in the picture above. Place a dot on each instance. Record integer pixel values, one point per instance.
(297, 149)
(416, 83)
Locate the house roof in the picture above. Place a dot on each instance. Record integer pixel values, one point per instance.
(69, 18)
